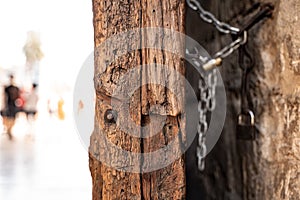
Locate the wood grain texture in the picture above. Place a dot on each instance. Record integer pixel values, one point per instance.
(169, 182)
(113, 63)
(111, 18)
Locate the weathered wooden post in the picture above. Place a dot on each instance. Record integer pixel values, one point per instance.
(112, 18)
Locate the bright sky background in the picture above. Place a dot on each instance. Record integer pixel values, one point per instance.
(66, 31)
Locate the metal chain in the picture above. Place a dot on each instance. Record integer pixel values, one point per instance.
(207, 64)
(212, 84)
(202, 125)
(229, 49)
(211, 19)
(207, 99)
(222, 27)
(196, 57)
(208, 83)
(207, 102)
(226, 51)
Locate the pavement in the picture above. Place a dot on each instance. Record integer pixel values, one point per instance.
(46, 160)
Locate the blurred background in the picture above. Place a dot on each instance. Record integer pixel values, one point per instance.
(43, 43)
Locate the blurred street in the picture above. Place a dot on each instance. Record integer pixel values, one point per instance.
(41, 61)
(46, 161)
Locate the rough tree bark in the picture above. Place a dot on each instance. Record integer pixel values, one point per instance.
(269, 167)
(111, 18)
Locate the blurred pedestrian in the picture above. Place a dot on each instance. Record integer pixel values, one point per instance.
(12, 101)
(30, 107)
(31, 100)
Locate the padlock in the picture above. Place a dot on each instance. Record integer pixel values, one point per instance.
(246, 126)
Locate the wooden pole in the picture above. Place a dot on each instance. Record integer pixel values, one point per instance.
(112, 18)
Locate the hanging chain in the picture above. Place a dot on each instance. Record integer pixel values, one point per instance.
(202, 125)
(222, 27)
(208, 83)
(210, 18)
(240, 34)
(226, 51)
(207, 102)
(219, 56)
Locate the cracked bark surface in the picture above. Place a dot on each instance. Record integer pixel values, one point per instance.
(148, 103)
